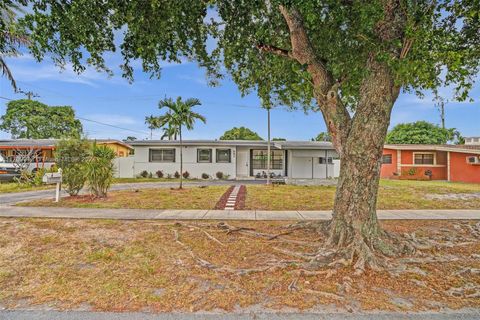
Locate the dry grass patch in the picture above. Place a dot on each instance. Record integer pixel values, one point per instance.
(393, 194)
(160, 198)
(192, 266)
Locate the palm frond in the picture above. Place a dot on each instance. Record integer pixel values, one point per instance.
(192, 102)
(7, 73)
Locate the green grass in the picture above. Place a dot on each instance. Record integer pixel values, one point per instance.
(9, 187)
(160, 198)
(393, 194)
(137, 180)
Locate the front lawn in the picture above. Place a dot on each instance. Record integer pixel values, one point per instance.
(393, 194)
(9, 187)
(139, 180)
(159, 198)
(160, 266)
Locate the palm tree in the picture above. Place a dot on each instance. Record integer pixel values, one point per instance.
(180, 114)
(169, 132)
(10, 38)
(153, 123)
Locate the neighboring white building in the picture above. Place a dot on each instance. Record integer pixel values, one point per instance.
(237, 159)
(475, 141)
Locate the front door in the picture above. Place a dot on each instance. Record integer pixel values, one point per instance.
(242, 163)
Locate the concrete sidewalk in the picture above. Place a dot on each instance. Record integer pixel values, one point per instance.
(259, 215)
(85, 315)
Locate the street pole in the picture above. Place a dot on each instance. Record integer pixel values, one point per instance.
(268, 147)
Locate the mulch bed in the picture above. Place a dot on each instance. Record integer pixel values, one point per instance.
(241, 196)
(223, 199)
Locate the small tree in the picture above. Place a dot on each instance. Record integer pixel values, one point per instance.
(23, 160)
(99, 170)
(322, 136)
(152, 123)
(71, 156)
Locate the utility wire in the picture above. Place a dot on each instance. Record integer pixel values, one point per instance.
(98, 122)
(111, 125)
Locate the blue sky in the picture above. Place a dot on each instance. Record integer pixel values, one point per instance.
(114, 101)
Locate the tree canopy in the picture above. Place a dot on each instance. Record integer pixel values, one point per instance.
(240, 133)
(422, 132)
(433, 37)
(34, 120)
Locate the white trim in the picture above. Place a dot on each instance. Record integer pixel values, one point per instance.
(424, 152)
(420, 147)
(448, 165)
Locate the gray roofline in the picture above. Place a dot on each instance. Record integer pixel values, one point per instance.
(246, 143)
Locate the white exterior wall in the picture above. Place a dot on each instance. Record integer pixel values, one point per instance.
(305, 164)
(299, 163)
(124, 167)
(190, 164)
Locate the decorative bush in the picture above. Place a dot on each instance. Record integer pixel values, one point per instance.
(412, 171)
(71, 156)
(150, 175)
(176, 175)
(219, 175)
(169, 176)
(186, 174)
(205, 176)
(99, 170)
(159, 174)
(144, 174)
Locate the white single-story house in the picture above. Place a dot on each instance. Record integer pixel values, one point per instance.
(236, 159)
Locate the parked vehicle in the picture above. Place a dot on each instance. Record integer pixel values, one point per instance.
(8, 171)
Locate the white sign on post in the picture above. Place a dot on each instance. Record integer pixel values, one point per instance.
(54, 178)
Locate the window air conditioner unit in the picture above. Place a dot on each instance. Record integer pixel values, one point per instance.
(473, 160)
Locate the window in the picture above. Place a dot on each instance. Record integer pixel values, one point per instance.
(322, 160)
(387, 159)
(424, 158)
(204, 155)
(162, 155)
(224, 155)
(260, 157)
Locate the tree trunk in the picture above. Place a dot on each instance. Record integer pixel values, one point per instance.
(354, 226)
(181, 158)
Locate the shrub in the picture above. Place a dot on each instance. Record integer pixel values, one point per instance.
(219, 175)
(37, 179)
(186, 174)
(144, 174)
(159, 174)
(205, 176)
(176, 175)
(169, 176)
(150, 175)
(71, 156)
(99, 170)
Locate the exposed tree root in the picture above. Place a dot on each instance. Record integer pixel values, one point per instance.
(238, 271)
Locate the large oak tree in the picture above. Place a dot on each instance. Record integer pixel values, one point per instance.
(347, 59)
